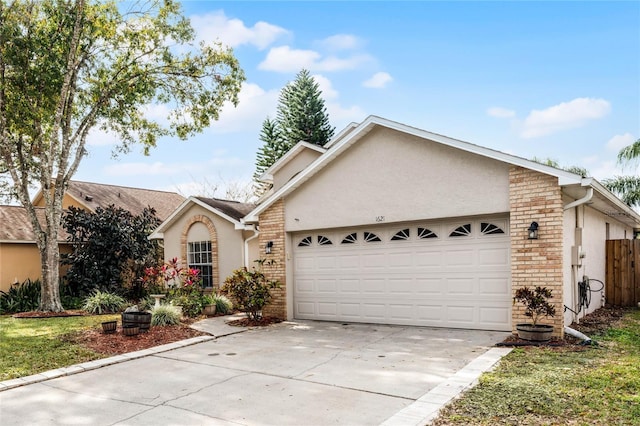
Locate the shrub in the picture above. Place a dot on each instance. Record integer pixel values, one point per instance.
(249, 290)
(536, 302)
(103, 303)
(20, 297)
(192, 304)
(223, 304)
(165, 315)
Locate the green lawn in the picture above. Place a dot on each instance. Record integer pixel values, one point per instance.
(541, 386)
(30, 346)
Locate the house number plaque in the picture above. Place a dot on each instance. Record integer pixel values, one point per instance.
(379, 218)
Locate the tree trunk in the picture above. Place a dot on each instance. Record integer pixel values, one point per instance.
(50, 286)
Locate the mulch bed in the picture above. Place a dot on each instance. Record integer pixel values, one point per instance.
(39, 314)
(262, 322)
(117, 343)
(592, 324)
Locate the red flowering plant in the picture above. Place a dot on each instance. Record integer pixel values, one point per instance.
(182, 284)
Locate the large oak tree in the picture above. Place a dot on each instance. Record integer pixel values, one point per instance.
(70, 66)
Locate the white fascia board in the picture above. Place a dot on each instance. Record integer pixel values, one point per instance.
(564, 177)
(348, 129)
(267, 176)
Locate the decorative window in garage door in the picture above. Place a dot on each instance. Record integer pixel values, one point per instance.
(424, 233)
(401, 235)
(370, 237)
(461, 231)
(305, 242)
(489, 228)
(350, 239)
(324, 241)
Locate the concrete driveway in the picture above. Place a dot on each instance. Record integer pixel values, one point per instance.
(293, 373)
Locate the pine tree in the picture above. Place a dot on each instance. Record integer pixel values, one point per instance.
(301, 116)
(274, 147)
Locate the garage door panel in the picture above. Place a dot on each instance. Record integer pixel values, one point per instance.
(459, 257)
(446, 281)
(398, 286)
(493, 256)
(498, 286)
(461, 286)
(326, 286)
(428, 258)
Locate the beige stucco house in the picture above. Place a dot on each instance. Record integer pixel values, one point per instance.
(396, 225)
(19, 255)
(207, 234)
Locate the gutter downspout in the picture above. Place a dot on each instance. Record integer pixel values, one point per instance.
(256, 233)
(576, 203)
(582, 200)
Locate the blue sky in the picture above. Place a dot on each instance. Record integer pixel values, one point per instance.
(545, 79)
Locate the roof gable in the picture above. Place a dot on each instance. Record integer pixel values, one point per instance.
(352, 135)
(233, 211)
(268, 174)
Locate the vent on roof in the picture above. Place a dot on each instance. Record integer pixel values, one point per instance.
(88, 197)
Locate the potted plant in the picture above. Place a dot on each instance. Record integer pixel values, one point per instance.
(209, 305)
(536, 303)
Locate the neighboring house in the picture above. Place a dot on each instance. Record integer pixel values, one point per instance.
(206, 234)
(396, 225)
(19, 255)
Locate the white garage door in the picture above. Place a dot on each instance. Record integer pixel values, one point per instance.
(442, 274)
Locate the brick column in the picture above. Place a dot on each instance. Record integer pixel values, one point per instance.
(272, 229)
(536, 197)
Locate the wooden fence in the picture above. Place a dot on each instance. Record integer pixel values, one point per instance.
(623, 272)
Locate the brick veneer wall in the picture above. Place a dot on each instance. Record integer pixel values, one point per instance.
(536, 197)
(272, 229)
(184, 238)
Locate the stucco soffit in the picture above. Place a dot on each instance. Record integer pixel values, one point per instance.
(615, 206)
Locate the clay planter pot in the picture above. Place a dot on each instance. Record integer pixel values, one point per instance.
(140, 319)
(537, 333)
(209, 310)
(109, 327)
(130, 330)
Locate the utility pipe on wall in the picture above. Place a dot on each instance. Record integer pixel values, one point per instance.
(255, 235)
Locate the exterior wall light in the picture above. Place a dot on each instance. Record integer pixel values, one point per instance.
(268, 247)
(533, 231)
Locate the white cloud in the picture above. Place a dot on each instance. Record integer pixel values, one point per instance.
(566, 115)
(378, 81)
(499, 112)
(233, 32)
(618, 142)
(328, 92)
(340, 42)
(255, 104)
(341, 116)
(145, 169)
(286, 59)
(98, 137)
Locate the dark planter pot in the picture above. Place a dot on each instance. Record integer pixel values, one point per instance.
(109, 327)
(130, 330)
(537, 333)
(140, 319)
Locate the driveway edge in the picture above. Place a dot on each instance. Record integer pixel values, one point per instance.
(99, 363)
(426, 408)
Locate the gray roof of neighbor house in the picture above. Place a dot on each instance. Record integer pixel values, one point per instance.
(233, 209)
(135, 200)
(16, 225)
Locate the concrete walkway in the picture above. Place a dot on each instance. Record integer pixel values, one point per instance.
(293, 373)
